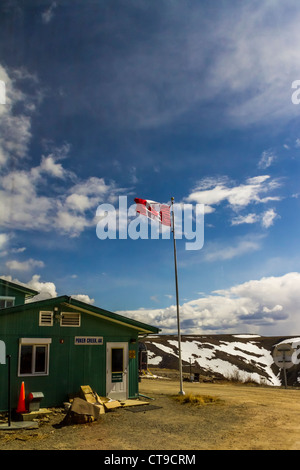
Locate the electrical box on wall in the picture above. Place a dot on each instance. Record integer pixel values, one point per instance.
(2, 352)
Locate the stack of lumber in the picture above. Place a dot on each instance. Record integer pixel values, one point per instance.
(88, 406)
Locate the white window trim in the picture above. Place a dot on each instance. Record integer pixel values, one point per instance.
(35, 342)
(6, 297)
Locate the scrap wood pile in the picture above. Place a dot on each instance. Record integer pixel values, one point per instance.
(88, 406)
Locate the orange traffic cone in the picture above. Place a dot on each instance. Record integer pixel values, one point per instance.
(21, 403)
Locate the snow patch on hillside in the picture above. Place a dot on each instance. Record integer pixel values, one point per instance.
(227, 358)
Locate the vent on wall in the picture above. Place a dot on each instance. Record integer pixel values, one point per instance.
(70, 319)
(46, 318)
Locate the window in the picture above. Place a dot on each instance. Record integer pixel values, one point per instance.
(46, 318)
(6, 302)
(117, 360)
(34, 356)
(70, 319)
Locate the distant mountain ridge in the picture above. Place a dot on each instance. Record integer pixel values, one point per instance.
(234, 357)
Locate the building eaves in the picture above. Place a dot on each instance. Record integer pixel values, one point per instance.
(143, 328)
(22, 288)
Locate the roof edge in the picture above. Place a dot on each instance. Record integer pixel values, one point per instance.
(21, 287)
(89, 308)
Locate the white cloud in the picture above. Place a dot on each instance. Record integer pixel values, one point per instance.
(4, 239)
(266, 160)
(267, 306)
(21, 207)
(226, 252)
(245, 219)
(48, 14)
(83, 298)
(15, 136)
(18, 250)
(173, 74)
(15, 128)
(212, 192)
(5, 248)
(49, 165)
(79, 202)
(92, 186)
(261, 69)
(24, 205)
(27, 265)
(133, 176)
(268, 218)
(46, 289)
(71, 224)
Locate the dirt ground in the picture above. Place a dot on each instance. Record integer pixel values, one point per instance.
(245, 418)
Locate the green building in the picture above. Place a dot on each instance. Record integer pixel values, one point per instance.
(58, 344)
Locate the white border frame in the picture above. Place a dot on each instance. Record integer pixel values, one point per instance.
(7, 297)
(35, 342)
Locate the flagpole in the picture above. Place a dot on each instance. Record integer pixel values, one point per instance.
(181, 392)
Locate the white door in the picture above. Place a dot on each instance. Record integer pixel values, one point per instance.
(117, 370)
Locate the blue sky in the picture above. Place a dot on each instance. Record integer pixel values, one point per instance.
(190, 99)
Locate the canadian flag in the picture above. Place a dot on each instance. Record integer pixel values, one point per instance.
(154, 210)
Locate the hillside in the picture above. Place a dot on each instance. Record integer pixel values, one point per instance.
(232, 357)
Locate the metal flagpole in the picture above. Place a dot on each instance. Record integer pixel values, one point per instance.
(181, 392)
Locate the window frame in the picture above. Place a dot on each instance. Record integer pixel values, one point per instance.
(7, 298)
(35, 343)
(116, 359)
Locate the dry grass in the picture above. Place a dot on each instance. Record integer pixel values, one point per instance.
(196, 399)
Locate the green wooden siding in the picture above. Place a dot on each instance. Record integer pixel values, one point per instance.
(70, 365)
(9, 292)
(8, 289)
